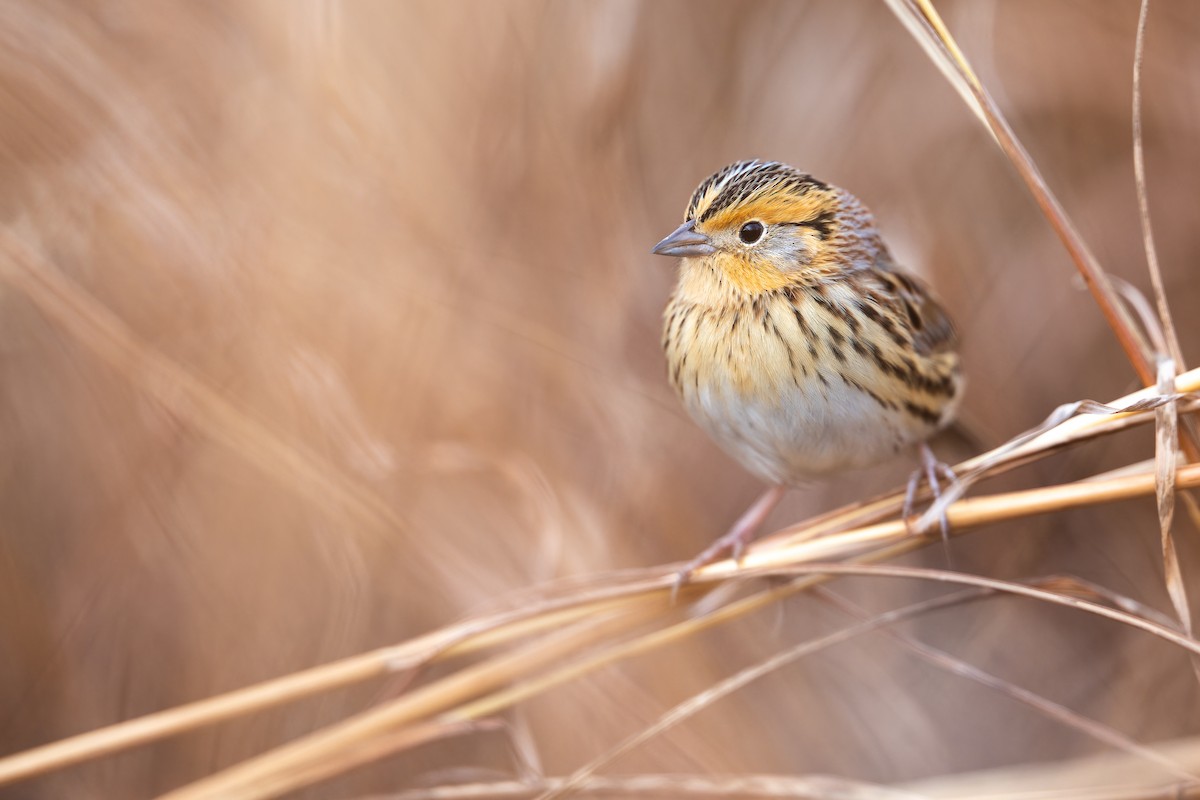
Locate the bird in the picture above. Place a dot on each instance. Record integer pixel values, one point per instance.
(796, 342)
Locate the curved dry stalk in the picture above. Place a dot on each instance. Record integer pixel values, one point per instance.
(656, 787)
(923, 21)
(608, 593)
(261, 777)
(927, 27)
(1014, 452)
(466, 637)
(1069, 424)
(597, 595)
(791, 546)
(1171, 339)
(767, 787)
(1106, 776)
(866, 624)
(944, 576)
(1170, 361)
(278, 770)
(1166, 437)
(1048, 708)
(382, 747)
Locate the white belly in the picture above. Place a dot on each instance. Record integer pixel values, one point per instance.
(803, 431)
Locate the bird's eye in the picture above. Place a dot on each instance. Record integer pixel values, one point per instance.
(751, 232)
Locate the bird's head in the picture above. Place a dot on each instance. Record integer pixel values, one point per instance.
(764, 225)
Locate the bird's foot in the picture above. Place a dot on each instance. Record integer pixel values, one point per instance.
(734, 542)
(929, 471)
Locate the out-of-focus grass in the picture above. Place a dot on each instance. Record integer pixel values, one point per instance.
(410, 241)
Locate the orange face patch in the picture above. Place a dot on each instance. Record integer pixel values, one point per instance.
(769, 208)
(751, 275)
(744, 268)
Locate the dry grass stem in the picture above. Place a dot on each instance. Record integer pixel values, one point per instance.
(922, 19)
(1166, 438)
(1105, 776)
(1171, 338)
(742, 787)
(1072, 423)
(1170, 360)
(962, 515)
(868, 624)
(469, 636)
(377, 749)
(815, 540)
(260, 777)
(282, 768)
(1104, 734)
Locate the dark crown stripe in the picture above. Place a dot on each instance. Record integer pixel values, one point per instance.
(742, 179)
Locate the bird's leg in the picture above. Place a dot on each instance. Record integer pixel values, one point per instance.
(738, 536)
(910, 499)
(928, 471)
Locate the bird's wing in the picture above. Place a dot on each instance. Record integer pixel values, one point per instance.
(910, 299)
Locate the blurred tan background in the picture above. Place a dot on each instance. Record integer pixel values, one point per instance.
(412, 241)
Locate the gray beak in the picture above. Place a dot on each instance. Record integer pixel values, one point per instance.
(685, 241)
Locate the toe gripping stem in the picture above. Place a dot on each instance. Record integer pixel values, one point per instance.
(735, 541)
(929, 471)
